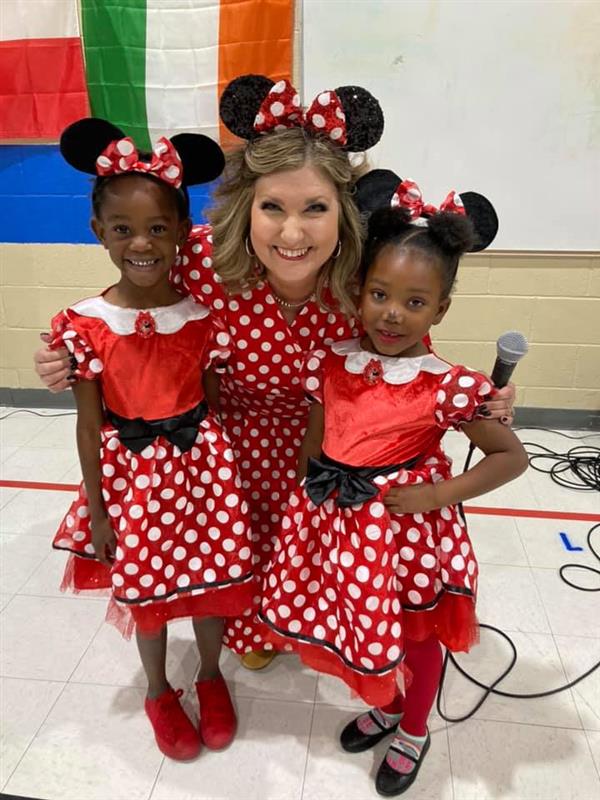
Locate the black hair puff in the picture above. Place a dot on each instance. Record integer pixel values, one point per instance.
(453, 233)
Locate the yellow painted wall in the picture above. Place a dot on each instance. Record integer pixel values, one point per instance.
(553, 299)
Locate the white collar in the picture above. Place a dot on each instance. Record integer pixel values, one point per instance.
(167, 319)
(395, 370)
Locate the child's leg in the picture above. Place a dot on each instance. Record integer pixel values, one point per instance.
(209, 633)
(424, 659)
(153, 653)
(175, 735)
(218, 721)
(411, 742)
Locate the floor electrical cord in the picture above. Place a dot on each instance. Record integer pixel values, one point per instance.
(577, 469)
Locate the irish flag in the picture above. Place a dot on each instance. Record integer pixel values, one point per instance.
(152, 67)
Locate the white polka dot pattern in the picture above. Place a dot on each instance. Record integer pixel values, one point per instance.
(263, 403)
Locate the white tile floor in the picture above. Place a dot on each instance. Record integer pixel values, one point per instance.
(72, 689)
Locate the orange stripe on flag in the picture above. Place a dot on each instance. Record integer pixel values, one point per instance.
(255, 36)
(42, 87)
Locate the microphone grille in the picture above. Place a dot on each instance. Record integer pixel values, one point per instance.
(511, 346)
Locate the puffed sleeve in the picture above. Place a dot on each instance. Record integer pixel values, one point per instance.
(312, 375)
(460, 392)
(193, 270)
(87, 365)
(218, 347)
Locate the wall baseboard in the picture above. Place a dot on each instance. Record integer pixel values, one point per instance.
(558, 418)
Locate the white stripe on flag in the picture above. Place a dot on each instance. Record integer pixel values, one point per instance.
(38, 19)
(182, 67)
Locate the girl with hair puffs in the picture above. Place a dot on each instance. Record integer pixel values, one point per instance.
(363, 593)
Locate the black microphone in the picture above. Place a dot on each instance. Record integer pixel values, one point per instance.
(510, 349)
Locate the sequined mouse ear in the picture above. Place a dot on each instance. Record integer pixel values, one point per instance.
(484, 218)
(375, 190)
(83, 141)
(201, 157)
(364, 118)
(241, 101)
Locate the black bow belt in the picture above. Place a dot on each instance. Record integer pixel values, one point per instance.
(136, 434)
(354, 484)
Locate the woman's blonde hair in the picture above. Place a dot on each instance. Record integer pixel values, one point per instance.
(230, 215)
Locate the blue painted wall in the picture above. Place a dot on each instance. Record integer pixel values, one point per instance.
(43, 200)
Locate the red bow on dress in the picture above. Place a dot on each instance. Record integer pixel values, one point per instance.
(281, 109)
(408, 195)
(121, 156)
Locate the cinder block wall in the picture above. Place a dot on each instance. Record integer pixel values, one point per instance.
(553, 299)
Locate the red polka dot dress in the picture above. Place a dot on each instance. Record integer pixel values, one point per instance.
(349, 581)
(170, 485)
(263, 403)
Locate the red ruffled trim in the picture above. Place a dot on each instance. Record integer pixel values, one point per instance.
(89, 575)
(453, 622)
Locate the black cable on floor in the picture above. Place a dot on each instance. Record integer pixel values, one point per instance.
(584, 464)
(37, 413)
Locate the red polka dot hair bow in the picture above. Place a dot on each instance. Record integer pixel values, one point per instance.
(408, 195)
(121, 156)
(349, 116)
(281, 109)
(98, 147)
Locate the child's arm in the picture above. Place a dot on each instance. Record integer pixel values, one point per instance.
(210, 382)
(313, 439)
(505, 459)
(89, 421)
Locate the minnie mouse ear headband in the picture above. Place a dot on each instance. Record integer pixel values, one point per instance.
(98, 147)
(350, 116)
(382, 187)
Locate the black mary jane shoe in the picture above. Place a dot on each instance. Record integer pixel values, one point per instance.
(353, 740)
(389, 782)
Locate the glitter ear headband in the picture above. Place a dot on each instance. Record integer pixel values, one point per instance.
(349, 116)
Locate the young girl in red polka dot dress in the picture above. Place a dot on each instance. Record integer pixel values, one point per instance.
(364, 594)
(161, 518)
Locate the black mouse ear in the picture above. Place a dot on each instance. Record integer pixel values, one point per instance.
(375, 190)
(241, 101)
(484, 218)
(202, 158)
(83, 141)
(364, 118)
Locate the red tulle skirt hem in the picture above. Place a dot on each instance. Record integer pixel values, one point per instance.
(90, 576)
(453, 622)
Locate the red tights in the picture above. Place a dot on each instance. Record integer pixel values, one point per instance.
(424, 660)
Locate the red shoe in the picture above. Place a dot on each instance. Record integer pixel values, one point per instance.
(174, 732)
(218, 722)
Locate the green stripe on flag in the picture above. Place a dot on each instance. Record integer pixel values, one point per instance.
(114, 41)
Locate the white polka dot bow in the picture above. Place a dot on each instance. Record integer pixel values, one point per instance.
(122, 156)
(408, 195)
(281, 109)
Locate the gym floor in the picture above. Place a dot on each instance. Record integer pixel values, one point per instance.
(73, 726)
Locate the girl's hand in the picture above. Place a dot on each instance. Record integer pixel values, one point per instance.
(415, 499)
(53, 366)
(104, 541)
(501, 406)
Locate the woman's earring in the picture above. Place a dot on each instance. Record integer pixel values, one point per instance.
(338, 250)
(248, 248)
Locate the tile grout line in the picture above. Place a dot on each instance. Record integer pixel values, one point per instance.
(30, 742)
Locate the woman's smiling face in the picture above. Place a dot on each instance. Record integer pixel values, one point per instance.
(294, 224)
